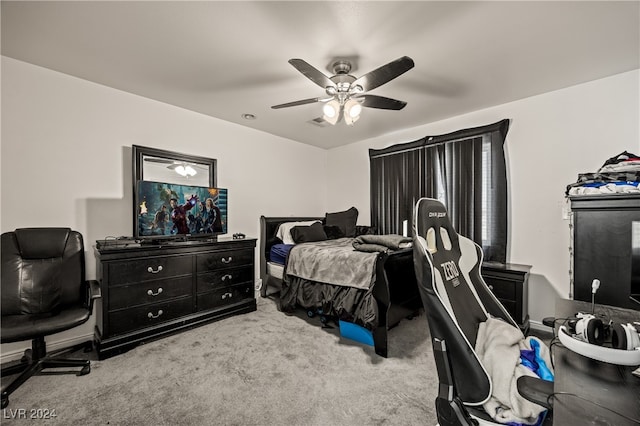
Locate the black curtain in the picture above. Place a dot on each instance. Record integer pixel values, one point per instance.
(464, 169)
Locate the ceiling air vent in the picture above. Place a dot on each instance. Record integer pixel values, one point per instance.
(320, 122)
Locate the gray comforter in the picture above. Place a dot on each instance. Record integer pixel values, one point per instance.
(333, 262)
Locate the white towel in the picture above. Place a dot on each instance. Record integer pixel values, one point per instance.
(498, 347)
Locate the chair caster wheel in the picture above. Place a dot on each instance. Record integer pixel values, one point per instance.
(310, 313)
(85, 370)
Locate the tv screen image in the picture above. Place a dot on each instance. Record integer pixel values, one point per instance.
(167, 209)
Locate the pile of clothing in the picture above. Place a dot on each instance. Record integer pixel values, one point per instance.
(618, 175)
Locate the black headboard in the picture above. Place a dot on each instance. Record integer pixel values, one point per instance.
(268, 229)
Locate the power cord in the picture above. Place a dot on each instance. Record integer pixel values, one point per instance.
(556, 340)
(552, 343)
(557, 320)
(556, 394)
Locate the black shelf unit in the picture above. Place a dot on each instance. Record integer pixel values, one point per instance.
(606, 246)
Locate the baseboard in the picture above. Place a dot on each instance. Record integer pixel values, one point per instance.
(539, 326)
(51, 346)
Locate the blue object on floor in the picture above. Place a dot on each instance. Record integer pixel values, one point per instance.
(355, 332)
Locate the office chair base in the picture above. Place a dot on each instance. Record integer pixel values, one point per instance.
(33, 362)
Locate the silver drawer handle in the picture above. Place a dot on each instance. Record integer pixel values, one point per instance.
(150, 315)
(150, 269)
(227, 277)
(151, 293)
(227, 260)
(225, 295)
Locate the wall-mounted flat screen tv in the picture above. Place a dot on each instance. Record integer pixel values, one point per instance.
(165, 210)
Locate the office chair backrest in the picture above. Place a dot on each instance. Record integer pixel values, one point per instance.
(42, 270)
(455, 296)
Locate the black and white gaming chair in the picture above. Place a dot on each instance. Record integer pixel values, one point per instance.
(456, 300)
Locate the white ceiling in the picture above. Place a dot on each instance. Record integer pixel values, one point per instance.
(224, 59)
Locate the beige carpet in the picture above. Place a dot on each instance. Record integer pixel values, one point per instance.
(261, 368)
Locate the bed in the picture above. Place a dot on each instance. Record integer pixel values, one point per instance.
(391, 296)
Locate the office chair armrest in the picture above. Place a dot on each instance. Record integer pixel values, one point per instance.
(93, 292)
(536, 390)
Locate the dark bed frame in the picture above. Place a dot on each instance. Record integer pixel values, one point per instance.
(395, 288)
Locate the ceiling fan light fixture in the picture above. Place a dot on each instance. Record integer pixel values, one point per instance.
(181, 170)
(331, 111)
(190, 171)
(352, 110)
(186, 171)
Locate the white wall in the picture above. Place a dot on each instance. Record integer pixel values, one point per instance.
(552, 138)
(66, 159)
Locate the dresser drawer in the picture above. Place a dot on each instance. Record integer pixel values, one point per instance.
(125, 296)
(225, 296)
(511, 307)
(502, 289)
(127, 320)
(216, 260)
(147, 269)
(223, 278)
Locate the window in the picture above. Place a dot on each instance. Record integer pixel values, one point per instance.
(465, 170)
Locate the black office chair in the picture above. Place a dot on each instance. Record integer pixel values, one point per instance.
(457, 301)
(44, 291)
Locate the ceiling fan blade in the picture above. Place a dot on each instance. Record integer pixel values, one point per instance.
(301, 102)
(312, 73)
(380, 102)
(384, 74)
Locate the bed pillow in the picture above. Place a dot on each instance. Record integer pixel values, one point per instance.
(333, 232)
(308, 234)
(284, 230)
(345, 220)
(365, 230)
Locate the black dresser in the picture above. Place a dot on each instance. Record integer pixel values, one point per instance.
(509, 282)
(151, 290)
(606, 246)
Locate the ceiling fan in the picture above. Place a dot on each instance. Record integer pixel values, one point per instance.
(183, 168)
(346, 93)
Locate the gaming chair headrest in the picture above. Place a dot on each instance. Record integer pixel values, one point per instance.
(432, 223)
